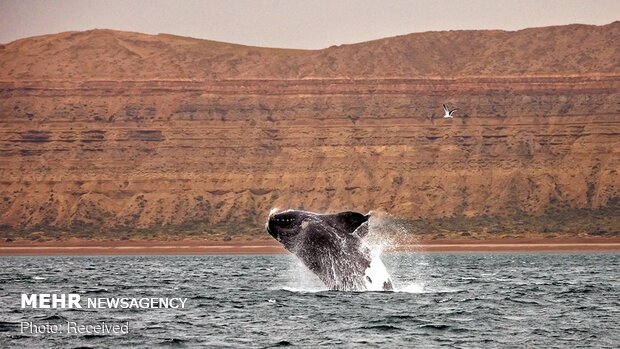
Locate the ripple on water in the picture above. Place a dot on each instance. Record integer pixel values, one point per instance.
(173, 341)
(53, 317)
(8, 326)
(283, 344)
(382, 328)
(495, 301)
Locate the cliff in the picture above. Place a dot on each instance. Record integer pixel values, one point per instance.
(104, 131)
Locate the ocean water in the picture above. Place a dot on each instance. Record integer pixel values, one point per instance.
(478, 300)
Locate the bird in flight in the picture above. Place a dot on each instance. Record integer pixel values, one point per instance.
(448, 112)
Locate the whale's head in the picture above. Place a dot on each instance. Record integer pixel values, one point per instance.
(286, 226)
(291, 226)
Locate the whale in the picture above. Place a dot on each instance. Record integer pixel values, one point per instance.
(332, 246)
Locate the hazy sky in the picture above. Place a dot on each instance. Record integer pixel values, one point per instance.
(294, 23)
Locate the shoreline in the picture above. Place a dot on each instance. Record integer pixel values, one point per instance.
(204, 247)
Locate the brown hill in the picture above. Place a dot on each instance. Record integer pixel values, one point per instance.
(106, 131)
(107, 54)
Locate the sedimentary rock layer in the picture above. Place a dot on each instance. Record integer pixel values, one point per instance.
(97, 151)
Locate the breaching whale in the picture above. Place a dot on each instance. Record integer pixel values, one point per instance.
(333, 247)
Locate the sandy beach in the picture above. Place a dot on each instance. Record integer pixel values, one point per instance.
(190, 247)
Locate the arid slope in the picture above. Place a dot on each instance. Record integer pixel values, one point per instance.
(106, 131)
(113, 55)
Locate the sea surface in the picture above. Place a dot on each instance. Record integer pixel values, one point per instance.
(468, 300)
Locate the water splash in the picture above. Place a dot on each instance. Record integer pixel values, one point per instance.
(412, 288)
(300, 279)
(385, 234)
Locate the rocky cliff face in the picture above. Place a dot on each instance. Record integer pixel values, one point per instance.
(107, 130)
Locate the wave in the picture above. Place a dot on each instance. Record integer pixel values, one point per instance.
(382, 328)
(422, 288)
(6, 326)
(304, 290)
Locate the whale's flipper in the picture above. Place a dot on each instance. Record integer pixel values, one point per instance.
(350, 222)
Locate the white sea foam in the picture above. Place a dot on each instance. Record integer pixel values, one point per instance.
(412, 288)
(300, 279)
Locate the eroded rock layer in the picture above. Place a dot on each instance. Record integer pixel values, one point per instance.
(217, 155)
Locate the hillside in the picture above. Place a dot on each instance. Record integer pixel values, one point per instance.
(105, 132)
(113, 55)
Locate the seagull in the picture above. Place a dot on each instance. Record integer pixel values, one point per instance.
(448, 112)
